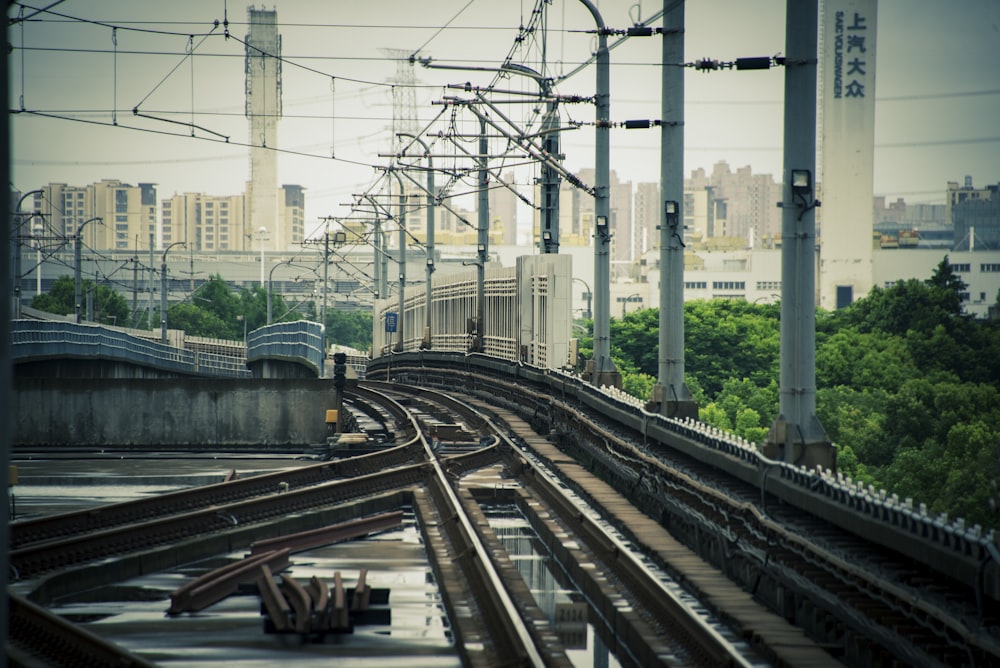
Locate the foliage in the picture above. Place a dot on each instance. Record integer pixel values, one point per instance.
(638, 384)
(349, 328)
(726, 339)
(110, 308)
(907, 385)
(215, 310)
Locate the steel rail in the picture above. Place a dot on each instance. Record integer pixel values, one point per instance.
(772, 549)
(643, 583)
(513, 640)
(39, 637)
(65, 525)
(33, 560)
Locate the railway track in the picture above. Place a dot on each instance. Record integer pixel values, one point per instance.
(866, 604)
(494, 618)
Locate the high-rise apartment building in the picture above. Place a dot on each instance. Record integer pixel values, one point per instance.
(576, 219)
(204, 222)
(127, 213)
(750, 202)
(214, 222)
(647, 217)
(503, 212)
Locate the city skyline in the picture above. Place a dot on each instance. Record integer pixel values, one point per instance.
(338, 92)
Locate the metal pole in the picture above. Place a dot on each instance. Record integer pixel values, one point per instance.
(149, 315)
(671, 393)
(6, 359)
(16, 247)
(605, 371)
(380, 288)
(77, 282)
(262, 231)
(77, 261)
(797, 423)
(400, 319)
(163, 297)
(270, 286)
(163, 291)
(431, 204)
(483, 240)
(326, 274)
(16, 243)
(135, 285)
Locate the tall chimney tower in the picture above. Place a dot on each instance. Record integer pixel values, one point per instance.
(263, 109)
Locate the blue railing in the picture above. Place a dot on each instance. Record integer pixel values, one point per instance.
(300, 341)
(45, 339)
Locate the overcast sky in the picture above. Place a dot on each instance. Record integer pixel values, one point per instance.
(937, 98)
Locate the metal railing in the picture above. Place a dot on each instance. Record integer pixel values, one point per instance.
(300, 341)
(42, 339)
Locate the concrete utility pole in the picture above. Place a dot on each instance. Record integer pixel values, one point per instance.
(671, 396)
(483, 241)
(604, 371)
(796, 436)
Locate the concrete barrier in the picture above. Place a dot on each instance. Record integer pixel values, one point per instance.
(154, 413)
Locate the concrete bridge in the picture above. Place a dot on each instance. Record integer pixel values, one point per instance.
(90, 385)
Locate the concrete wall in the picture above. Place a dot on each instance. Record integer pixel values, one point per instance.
(170, 412)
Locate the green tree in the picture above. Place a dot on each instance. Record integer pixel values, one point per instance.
(349, 328)
(198, 321)
(638, 384)
(731, 339)
(748, 407)
(634, 340)
(949, 287)
(715, 416)
(110, 308)
(871, 360)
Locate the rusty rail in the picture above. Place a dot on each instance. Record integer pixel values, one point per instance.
(335, 533)
(39, 637)
(36, 559)
(215, 585)
(64, 525)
